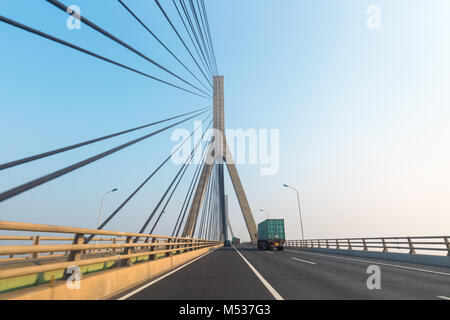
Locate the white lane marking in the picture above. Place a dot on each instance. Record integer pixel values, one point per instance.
(303, 261)
(261, 278)
(375, 262)
(162, 277)
(269, 252)
(443, 297)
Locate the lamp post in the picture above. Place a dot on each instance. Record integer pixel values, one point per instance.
(101, 206)
(299, 210)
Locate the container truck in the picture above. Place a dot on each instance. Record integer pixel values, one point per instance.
(235, 240)
(271, 234)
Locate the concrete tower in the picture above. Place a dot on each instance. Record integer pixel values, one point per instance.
(223, 155)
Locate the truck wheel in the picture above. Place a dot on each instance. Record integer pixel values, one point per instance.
(280, 248)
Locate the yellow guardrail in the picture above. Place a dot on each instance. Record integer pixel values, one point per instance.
(105, 247)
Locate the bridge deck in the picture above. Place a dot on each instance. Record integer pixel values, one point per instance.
(293, 274)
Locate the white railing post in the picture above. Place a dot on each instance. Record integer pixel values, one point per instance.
(385, 248)
(447, 243)
(411, 246)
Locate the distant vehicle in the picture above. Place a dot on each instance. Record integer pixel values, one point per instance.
(235, 240)
(271, 234)
(227, 243)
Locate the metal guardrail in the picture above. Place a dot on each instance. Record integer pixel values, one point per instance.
(410, 244)
(106, 246)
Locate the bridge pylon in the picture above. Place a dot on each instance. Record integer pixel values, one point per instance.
(222, 155)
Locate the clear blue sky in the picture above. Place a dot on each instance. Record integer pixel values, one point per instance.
(363, 114)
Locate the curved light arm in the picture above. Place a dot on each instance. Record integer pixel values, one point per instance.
(263, 210)
(101, 206)
(299, 209)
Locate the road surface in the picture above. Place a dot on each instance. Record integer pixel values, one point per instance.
(246, 273)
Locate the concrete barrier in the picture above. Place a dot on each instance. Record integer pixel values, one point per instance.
(105, 284)
(441, 261)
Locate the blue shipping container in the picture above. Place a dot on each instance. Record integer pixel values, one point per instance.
(271, 229)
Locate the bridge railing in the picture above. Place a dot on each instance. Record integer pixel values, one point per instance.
(44, 253)
(428, 244)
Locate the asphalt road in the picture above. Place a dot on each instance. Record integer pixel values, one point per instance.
(247, 273)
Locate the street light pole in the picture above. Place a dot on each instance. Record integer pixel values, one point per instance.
(299, 210)
(101, 206)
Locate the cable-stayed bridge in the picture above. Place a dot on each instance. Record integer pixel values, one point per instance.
(62, 262)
